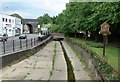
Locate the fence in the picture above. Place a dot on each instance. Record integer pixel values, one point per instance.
(20, 44)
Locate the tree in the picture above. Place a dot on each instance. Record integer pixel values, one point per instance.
(45, 19)
(88, 17)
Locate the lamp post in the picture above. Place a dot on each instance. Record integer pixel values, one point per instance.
(38, 29)
(104, 31)
(6, 29)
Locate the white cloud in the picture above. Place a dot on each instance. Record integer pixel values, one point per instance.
(52, 7)
(34, 0)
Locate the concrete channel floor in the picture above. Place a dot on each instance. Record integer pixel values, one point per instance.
(36, 67)
(39, 66)
(78, 68)
(60, 67)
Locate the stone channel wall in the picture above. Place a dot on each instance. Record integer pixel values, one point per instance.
(87, 60)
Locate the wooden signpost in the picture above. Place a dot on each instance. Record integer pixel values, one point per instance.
(104, 31)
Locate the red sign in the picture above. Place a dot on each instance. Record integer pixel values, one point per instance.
(8, 25)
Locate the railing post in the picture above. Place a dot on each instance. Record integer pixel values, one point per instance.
(26, 43)
(34, 41)
(37, 39)
(4, 46)
(13, 46)
(40, 39)
(20, 44)
(31, 41)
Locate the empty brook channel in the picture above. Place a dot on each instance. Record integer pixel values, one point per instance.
(70, 73)
(40, 66)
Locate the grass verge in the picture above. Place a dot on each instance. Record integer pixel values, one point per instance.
(104, 68)
(111, 52)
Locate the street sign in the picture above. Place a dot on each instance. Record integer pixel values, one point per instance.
(8, 25)
(44, 28)
(105, 29)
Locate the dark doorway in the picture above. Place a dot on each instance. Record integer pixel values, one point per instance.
(30, 28)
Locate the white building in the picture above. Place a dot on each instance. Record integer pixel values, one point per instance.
(9, 25)
(18, 26)
(0, 24)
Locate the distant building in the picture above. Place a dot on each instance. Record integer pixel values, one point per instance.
(7, 25)
(18, 26)
(10, 25)
(44, 30)
(30, 26)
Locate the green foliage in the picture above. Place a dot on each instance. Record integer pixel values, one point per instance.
(88, 16)
(45, 19)
(95, 45)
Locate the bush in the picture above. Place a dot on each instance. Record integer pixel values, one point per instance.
(96, 45)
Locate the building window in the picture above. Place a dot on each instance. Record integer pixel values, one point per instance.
(6, 20)
(9, 30)
(3, 19)
(12, 21)
(9, 20)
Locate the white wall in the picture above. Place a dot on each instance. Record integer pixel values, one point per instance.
(18, 25)
(21, 28)
(0, 24)
(8, 27)
(26, 28)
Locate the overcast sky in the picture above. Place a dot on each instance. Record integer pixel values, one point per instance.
(33, 8)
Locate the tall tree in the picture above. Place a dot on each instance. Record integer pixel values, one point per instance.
(88, 16)
(45, 19)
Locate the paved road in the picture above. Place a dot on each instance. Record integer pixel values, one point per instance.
(9, 43)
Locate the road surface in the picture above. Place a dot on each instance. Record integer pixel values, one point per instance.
(9, 43)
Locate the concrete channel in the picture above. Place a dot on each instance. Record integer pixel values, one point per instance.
(56, 61)
(59, 67)
(78, 69)
(70, 73)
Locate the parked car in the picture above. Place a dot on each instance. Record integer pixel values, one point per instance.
(3, 37)
(23, 36)
(40, 37)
